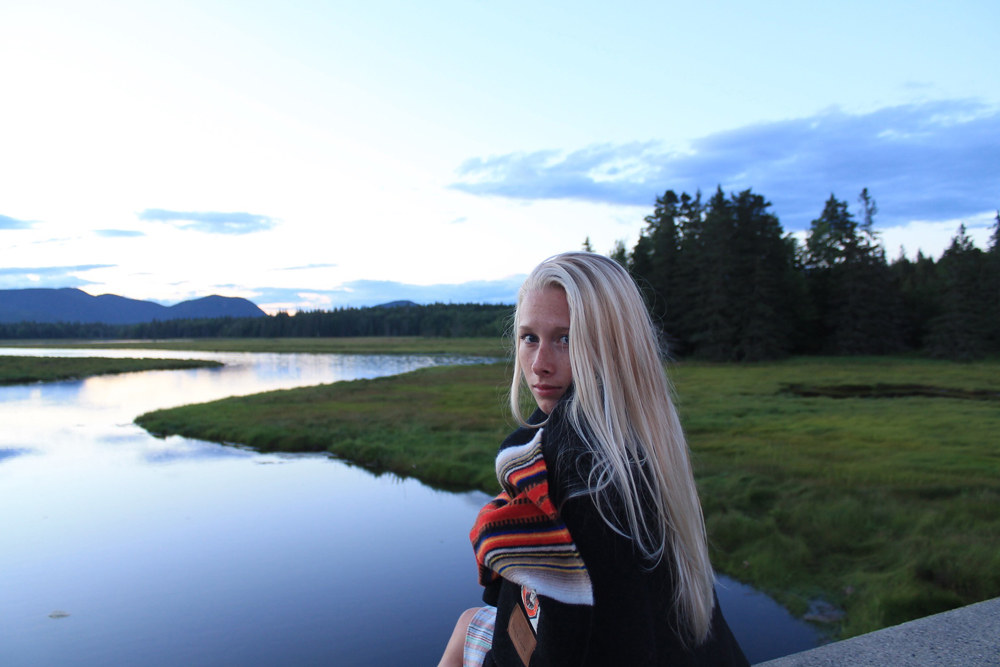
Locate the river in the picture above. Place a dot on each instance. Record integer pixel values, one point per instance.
(119, 548)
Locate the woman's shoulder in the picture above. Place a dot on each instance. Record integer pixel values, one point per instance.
(524, 434)
(568, 459)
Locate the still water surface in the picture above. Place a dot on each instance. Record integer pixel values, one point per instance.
(176, 551)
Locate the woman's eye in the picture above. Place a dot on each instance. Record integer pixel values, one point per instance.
(529, 338)
(564, 339)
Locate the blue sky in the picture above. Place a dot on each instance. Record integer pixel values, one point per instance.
(319, 154)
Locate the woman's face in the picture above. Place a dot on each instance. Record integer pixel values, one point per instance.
(543, 345)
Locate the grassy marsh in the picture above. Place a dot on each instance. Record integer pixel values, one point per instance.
(22, 370)
(884, 507)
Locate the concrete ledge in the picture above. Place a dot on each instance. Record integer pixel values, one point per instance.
(957, 638)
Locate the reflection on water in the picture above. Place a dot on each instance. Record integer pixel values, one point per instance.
(244, 373)
(763, 627)
(176, 551)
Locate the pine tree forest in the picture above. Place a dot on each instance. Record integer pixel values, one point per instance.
(724, 282)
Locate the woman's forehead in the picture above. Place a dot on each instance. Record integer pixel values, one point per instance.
(545, 306)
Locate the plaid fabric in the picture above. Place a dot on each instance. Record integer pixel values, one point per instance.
(479, 638)
(520, 536)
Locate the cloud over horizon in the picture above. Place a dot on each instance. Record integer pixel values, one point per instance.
(7, 222)
(306, 267)
(47, 276)
(211, 222)
(118, 233)
(929, 161)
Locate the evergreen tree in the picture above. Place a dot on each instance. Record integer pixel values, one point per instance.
(620, 253)
(655, 266)
(857, 299)
(765, 319)
(743, 281)
(961, 331)
(586, 245)
(713, 327)
(868, 211)
(830, 235)
(801, 309)
(869, 298)
(920, 297)
(992, 282)
(692, 257)
(824, 250)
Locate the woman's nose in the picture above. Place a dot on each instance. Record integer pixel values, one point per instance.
(542, 364)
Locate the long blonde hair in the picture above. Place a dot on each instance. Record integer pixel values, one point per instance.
(621, 409)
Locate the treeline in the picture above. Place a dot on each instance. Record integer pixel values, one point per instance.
(448, 320)
(725, 282)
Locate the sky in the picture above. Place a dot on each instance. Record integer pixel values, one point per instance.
(313, 155)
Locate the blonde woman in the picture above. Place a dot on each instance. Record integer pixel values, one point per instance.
(595, 553)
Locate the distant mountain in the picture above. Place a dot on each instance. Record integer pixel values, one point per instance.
(73, 305)
(396, 304)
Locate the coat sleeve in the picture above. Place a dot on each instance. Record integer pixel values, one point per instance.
(631, 601)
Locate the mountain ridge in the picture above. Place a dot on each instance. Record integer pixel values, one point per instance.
(69, 304)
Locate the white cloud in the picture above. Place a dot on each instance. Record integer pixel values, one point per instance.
(118, 233)
(211, 222)
(933, 237)
(47, 276)
(7, 222)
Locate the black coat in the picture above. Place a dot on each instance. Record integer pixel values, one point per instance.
(632, 618)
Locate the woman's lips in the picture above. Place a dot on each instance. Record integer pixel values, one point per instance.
(546, 389)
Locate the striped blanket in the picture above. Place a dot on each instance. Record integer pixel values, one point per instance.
(519, 535)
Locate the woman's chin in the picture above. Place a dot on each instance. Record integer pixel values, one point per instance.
(547, 405)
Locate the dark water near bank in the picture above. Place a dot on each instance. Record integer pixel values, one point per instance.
(180, 552)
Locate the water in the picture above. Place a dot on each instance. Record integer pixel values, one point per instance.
(176, 551)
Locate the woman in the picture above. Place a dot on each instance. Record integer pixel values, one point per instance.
(595, 553)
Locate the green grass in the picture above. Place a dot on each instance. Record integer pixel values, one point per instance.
(486, 347)
(886, 507)
(22, 370)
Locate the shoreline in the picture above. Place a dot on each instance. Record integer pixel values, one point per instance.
(29, 370)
